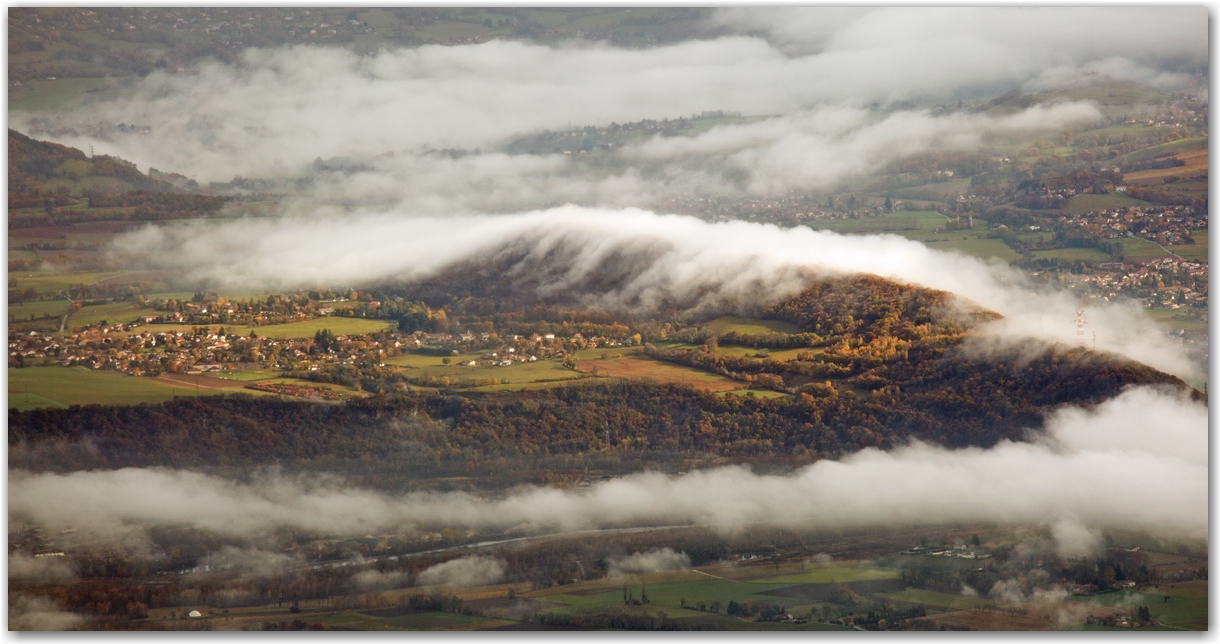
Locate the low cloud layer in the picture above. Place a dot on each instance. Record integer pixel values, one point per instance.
(44, 569)
(34, 613)
(1138, 461)
(671, 256)
(464, 572)
(281, 108)
(655, 560)
(808, 150)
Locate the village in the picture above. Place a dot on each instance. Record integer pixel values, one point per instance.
(142, 349)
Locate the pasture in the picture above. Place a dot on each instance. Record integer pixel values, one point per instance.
(307, 328)
(648, 370)
(1087, 254)
(749, 326)
(1086, 203)
(117, 313)
(1197, 250)
(1137, 249)
(64, 386)
(1186, 608)
(937, 599)
(55, 282)
(837, 573)
(42, 309)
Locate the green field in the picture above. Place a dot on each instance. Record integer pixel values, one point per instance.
(933, 598)
(307, 328)
(1197, 250)
(63, 93)
(667, 597)
(373, 620)
(976, 246)
(1088, 254)
(1087, 203)
(1188, 319)
(80, 386)
(1136, 248)
(24, 401)
(749, 326)
(53, 308)
(1177, 147)
(1184, 610)
(894, 222)
(834, 574)
(921, 226)
(55, 282)
(117, 313)
(304, 329)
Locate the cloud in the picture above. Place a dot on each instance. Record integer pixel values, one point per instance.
(1073, 538)
(668, 257)
(474, 570)
(250, 563)
(960, 42)
(279, 109)
(1095, 467)
(654, 560)
(373, 579)
(23, 567)
(33, 613)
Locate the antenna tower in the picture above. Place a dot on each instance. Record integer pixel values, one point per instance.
(1080, 327)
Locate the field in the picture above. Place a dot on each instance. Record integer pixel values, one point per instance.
(63, 386)
(1086, 203)
(834, 574)
(117, 313)
(1134, 248)
(22, 311)
(1197, 250)
(396, 619)
(647, 370)
(921, 226)
(1090, 254)
(937, 599)
(1188, 319)
(55, 282)
(307, 329)
(1185, 608)
(749, 326)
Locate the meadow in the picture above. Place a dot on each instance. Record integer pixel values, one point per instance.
(65, 386)
(648, 370)
(921, 226)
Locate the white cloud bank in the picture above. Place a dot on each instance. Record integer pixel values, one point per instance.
(672, 256)
(654, 560)
(281, 108)
(1138, 461)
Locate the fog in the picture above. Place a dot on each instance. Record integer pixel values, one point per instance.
(1090, 470)
(809, 150)
(654, 560)
(670, 256)
(279, 109)
(34, 613)
(464, 572)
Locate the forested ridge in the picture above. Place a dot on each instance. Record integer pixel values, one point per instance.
(885, 365)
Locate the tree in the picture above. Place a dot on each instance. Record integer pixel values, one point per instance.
(325, 340)
(889, 205)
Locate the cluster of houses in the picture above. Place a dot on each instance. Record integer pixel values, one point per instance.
(1162, 224)
(1170, 283)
